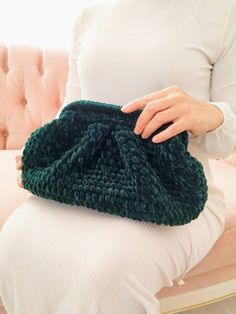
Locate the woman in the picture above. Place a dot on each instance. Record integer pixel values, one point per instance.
(177, 61)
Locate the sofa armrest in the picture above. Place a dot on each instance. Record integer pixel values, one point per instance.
(231, 159)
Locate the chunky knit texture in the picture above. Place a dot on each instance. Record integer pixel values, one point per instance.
(91, 156)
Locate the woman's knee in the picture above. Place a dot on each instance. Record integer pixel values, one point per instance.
(113, 285)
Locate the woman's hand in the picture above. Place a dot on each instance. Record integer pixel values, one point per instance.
(172, 104)
(19, 167)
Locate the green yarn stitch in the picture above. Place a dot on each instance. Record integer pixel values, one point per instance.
(90, 156)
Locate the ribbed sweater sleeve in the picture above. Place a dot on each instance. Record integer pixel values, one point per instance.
(73, 87)
(221, 142)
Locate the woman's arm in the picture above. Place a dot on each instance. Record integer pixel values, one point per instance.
(221, 142)
(73, 89)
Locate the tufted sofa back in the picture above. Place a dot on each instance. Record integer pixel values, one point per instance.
(32, 88)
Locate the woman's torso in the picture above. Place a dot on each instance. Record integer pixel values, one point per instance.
(130, 48)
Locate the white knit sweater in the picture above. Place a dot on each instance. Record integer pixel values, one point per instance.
(125, 49)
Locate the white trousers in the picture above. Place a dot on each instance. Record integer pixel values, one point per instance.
(57, 258)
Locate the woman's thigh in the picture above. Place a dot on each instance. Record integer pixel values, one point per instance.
(59, 256)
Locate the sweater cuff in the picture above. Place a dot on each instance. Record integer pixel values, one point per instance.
(220, 142)
(227, 112)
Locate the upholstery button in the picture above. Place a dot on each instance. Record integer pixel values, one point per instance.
(6, 69)
(5, 133)
(58, 104)
(24, 101)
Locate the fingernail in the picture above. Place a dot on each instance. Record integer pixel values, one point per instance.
(137, 131)
(144, 136)
(124, 108)
(155, 140)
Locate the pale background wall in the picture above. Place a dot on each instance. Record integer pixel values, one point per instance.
(44, 23)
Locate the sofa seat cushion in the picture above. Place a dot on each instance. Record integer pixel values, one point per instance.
(220, 263)
(224, 175)
(223, 252)
(231, 159)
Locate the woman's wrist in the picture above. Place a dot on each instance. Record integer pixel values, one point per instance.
(216, 117)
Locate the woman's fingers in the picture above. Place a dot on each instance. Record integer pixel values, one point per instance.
(148, 113)
(175, 128)
(143, 101)
(19, 180)
(17, 157)
(19, 165)
(18, 162)
(158, 120)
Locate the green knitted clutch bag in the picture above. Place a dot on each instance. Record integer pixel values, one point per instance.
(91, 156)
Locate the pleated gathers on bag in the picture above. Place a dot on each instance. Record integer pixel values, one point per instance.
(91, 156)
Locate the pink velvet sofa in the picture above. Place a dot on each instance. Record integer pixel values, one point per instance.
(32, 89)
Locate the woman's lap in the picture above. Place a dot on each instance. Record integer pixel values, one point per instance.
(59, 258)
